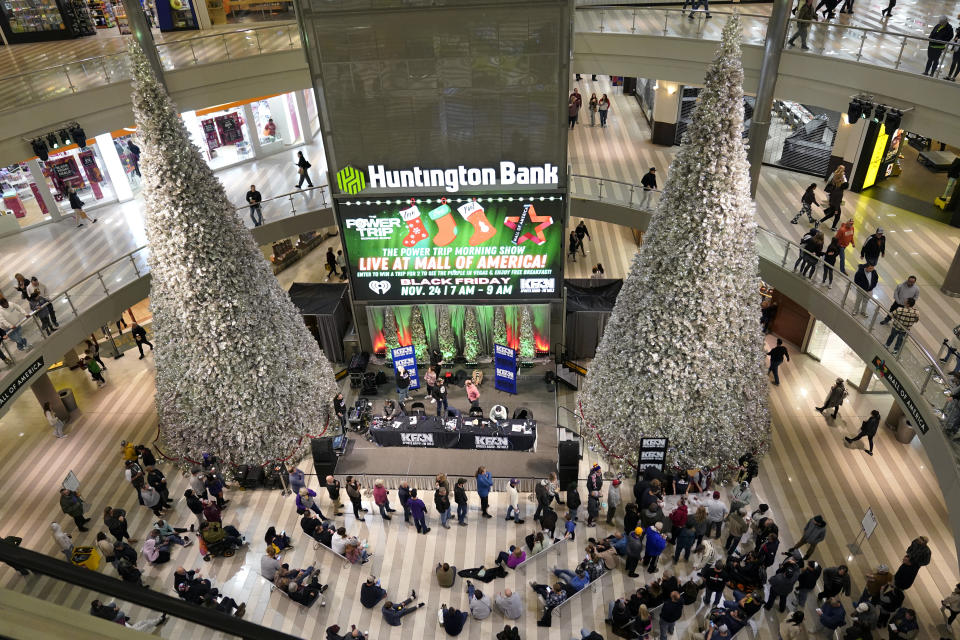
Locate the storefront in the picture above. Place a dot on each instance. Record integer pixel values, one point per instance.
(82, 170)
(277, 122)
(22, 200)
(44, 20)
(832, 352)
(222, 134)
(801, 137)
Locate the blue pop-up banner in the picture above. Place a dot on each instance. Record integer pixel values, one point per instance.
(505, 368)
(407, 358)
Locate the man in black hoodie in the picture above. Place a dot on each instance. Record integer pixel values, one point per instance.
(460, 497)
(868, 429)
(670, 612)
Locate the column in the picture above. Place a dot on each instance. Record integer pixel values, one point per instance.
(252, 129)
(203, 15)
(951, 282)
(43, 192)
(306, 127)
(894, 415)
(760, 124)
(140, 27)
(846, 144)
(114, 167)
(666, 110)
(45, 392)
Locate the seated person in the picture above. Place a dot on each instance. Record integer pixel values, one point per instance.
(509, 604)
(371, 593)
(339, 541)
(576, 580)
(748, 603)
(552, 598)
(537, 542)
(593, 565)
(650, 595)
(154, 551)
(393, 613)
(690, 591)
(669, 582)
(171, 534)
(212, 533)
(182, 576)
(452, 620)
(286, 575)
(197, 590)
(317, 529)
(108, 611)
(279, 541)
(446, 575)
(617, 541)
(605, 553)
(483, 574)
(480, 607)
(393, 409)
(306, 594)
(733, 619)
(128, 572)
(512, 559)
(619, 616)
(123, 550)
(270, 564)
(355, 553)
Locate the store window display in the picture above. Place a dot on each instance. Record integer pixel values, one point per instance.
(222, 135)
(278, 122)
(80, 169)
(128, 149)
(21, 198)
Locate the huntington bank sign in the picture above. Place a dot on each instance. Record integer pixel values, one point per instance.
(352, 181)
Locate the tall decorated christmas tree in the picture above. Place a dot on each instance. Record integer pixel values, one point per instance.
(238, 374)
(682, 355)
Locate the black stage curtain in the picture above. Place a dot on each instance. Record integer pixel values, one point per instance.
(589, 303)
(326, 311)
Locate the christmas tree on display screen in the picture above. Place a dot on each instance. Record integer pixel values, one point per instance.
(682, 355)
(237, 373)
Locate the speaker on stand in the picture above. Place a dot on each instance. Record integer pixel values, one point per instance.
(568, 463)
(324, 457)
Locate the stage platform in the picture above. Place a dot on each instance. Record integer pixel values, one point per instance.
(394, 464)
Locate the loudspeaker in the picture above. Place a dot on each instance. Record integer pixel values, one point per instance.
(568, 453)
(322, 449)
(324, 457)
(567, 475)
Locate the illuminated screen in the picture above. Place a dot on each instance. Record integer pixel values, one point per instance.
(481, 247)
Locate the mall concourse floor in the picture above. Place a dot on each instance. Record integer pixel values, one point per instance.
(838, 482)
(916, 245)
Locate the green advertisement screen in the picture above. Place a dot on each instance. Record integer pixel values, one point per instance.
(488, 247)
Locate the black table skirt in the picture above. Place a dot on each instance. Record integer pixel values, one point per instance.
(429, 431)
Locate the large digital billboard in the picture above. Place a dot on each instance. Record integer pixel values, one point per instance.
(482, 247)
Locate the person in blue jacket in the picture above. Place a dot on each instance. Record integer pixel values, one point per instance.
(832, 614)
(484, 484)
(656, 543)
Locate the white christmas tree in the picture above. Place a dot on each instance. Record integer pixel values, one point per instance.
(237, 372)
(445, 334)
(682, 355)
(471, 339)
(527, 347)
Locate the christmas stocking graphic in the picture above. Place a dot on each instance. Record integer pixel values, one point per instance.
(415, 229)
(446, 225)
(482, 229)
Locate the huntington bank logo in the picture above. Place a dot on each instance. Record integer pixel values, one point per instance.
(351, 180)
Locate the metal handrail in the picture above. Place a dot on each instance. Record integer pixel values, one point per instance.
(761, 17)
(98, 274)
(168, 43)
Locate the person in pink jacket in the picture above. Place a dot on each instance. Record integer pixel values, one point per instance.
(512, 559)
(381, 498)
(473, 394)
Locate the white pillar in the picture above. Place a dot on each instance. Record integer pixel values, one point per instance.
(306, 127)
(114, 166)
(252, 130)
(36, 171)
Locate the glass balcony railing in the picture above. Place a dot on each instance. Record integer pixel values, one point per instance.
(31, 87)
(128, 268)
(883, 48)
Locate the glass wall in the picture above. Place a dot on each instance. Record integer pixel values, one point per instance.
(834, 354)
(801, 137)
(82, 170)
(277, 120)
(222, 135)
(21, 197)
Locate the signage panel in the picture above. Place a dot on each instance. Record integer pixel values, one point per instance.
(505, 368)
(908, 402)
(407, 358)
(653, 454)
(33, 369)
(480, 247)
